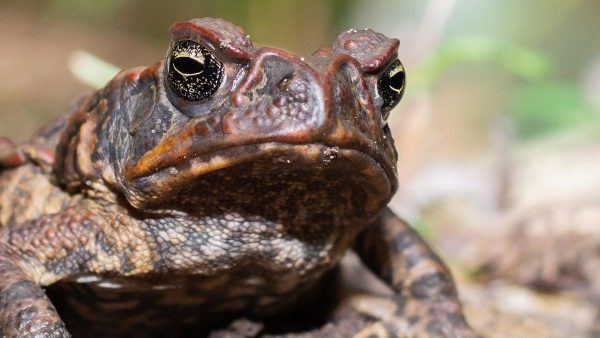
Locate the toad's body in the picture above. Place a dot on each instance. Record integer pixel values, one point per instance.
(223, 181)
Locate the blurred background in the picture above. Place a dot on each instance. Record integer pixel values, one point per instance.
(498, 132)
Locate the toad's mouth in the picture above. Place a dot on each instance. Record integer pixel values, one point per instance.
(211, 156)
(307, 162)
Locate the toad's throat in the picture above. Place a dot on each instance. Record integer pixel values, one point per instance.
(278, 183)
(282, 220)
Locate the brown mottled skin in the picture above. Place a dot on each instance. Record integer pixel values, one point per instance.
(147, 212)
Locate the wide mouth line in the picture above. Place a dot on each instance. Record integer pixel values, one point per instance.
(326, 152)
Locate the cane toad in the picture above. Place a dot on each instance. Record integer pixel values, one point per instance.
(222, 181)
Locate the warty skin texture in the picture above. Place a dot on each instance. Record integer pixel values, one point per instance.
(150, 214)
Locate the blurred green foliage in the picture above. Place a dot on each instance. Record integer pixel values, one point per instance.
(100, 12)
(550, 106)
(290, 24)
(542, 102)
(516, 59)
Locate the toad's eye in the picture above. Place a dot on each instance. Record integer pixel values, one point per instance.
(391, 86)
(194, 73)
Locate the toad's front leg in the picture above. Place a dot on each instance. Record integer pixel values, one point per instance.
(25, 311)
(426, 295)
(27, 252)
(40, 252)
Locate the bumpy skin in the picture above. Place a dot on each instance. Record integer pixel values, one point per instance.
(149, 215)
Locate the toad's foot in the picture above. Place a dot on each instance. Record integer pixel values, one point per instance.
(425, 301)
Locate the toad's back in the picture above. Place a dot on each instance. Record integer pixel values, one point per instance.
(26, 190)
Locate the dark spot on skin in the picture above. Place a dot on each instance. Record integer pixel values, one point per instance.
(413, 258)
(20, 290)
(403, 240)
(435, 328)
(103, 242)
(27, 314)
(400, 304)
(71, 262)
(52, 331)
(457, 319)
(126, 263)
(413, 319)
(431, 285)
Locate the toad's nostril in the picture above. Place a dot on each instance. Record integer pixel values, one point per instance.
(285, 81)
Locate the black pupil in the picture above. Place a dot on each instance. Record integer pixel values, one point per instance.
(187, 65)
(397, 81)
(391, 86)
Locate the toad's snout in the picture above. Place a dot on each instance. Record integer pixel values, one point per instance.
(288, 99)
(280, 97)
